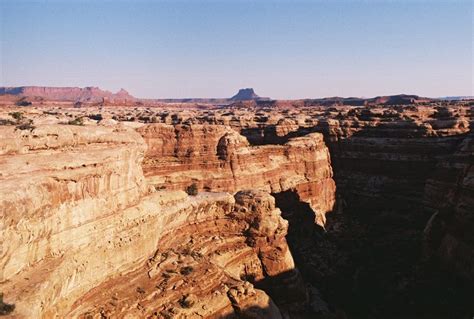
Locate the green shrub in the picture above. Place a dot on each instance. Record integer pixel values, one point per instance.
(27, 125)
(76, 121)
(192, 189)
(5, 308)
(24, 103)
(16, 115)
(186, 301)
(186, 270)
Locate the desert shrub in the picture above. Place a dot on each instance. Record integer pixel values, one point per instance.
(76, 121)
(5, 308)
(192, 189)
(6, 122)
(186, 302)
(16, 115)
(186, 270)
(96, 117)
(27, 125)
(24, 103)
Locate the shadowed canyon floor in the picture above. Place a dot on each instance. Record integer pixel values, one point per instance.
(300, 211)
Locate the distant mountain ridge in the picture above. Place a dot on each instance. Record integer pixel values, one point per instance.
(399, 99)
(74, 94)
(457, 98)
(92, 95)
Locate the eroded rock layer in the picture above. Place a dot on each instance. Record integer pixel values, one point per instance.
(82, 233)
(217, 158)
(86, 233)
(207, 253)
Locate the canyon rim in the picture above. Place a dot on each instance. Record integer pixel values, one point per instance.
(253, 208)
(236, 159)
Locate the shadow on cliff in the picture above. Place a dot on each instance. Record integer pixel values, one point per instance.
(290, 298)
(368, 260)
(268, 135)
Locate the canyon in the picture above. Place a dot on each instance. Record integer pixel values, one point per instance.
(253, 209)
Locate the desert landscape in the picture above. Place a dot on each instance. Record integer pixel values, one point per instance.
(236, 159)
(247, 207)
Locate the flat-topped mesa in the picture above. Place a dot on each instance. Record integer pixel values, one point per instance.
(247, 94)
(217, 158)
(68, 94)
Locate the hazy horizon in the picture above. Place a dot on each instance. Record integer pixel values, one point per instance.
(206, 49)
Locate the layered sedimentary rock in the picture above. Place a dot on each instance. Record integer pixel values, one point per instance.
(82, 234)
(217, 158)
(381, 154)
(398, 242)
(210, 246)
(61, 188)
(450, 194)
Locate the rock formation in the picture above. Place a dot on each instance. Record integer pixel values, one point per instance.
(217, 158)
(75, 94)
(95, 222)
(77, 217)
(245, 94)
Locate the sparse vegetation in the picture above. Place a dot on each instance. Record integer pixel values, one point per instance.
(5, 308)
(18, 116)
(192, 189)
(77, 121)
(96, 117)
(24, 103)
(6, 122)
(186, 270)
(26, 126)
(186, 302)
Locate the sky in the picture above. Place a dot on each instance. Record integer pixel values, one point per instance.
(283, 49)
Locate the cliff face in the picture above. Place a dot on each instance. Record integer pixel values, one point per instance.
(393, 167)
(62, 187)
(81, 233)
(381, 154)
(217, 158)
(85, 232)
(210, 246)
(383, 162)
(450, 194)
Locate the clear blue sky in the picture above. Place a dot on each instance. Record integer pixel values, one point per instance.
(283, 49)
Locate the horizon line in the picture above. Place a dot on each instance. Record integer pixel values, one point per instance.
(223, 98)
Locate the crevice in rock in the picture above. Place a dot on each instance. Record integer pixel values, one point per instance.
(368, 262)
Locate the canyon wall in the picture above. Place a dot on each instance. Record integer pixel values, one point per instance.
(396, 169)
(61, 189)
(83, 234)
(211, 246)
(217, 158)
(95, 223)
(450, 194)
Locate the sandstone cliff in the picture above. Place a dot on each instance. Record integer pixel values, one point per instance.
(210, 246)
(450, 193)
(82, 234)
(217, 158)
(398, 233)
